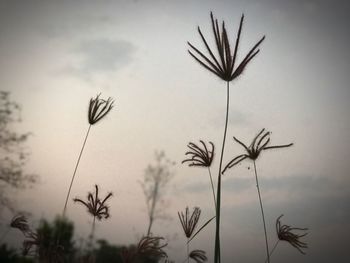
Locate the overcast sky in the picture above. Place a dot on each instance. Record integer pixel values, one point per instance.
(56, 55)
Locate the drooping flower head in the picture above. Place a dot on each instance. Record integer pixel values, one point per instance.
(200, 156)
(31, 244)
(198, 256)
(284, 233)
(96, 207)
(20, 222)
(188, 222)
(151, 246)
(259, 144)
(148, 246)
(223, 66)
(99, 108)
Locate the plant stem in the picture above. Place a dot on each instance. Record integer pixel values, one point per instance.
(273, 249)
(218, 196)
(75, 170)
(93, 232)
(262, 213)
(212, 187)
(188, 252)
(153, 207)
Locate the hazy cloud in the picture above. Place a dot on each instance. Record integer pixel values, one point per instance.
(101, 56)
(105, 54)
(235, 116)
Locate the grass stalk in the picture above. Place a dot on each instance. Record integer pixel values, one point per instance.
(212, 187)
(74, 173)
(273, 249)
(262, 212)
(218, 196)
(188, 252)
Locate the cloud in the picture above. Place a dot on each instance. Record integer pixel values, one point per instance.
(103, 55)
(236, 116)
(99, 57)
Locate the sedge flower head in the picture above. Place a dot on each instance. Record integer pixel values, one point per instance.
(284, 233)
(223, 65)
(96, 207)
(200, 156)
(189, 222)
(198, 256)
(260, 143)
(99, 108)
(20, 222)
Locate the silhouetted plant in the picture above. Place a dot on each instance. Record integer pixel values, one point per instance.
(42, 243)
(148, 248)
(284, 233)
(31, 244)
(224, 68)
(202, 158)
(156, 178)
(259, 143)
(151, 246)
(98, 109)
(198, 256)
(19, 222)
(9, 255)
(96, 207)
(13, 153)
(189, 223)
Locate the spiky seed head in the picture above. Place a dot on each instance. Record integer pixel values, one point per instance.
(151, 246)
(259, 143)
(96, 206)
(20, 222)
(200, 156)
(224, 65)
(188, 222)
(99, 108)
(284, 233)
(198, 256)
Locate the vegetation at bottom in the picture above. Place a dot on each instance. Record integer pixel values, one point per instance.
(73, 251)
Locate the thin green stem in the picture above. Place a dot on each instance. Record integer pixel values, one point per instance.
(262, 213)
(93, 232)
(273, 249)
(74, 173)
(218, 196)
(212, 187)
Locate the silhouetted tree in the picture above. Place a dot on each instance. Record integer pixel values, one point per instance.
(156, 178)
(13, 155)
(44, 245)
(111, 253)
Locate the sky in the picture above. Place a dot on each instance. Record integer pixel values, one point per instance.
(56, 55)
